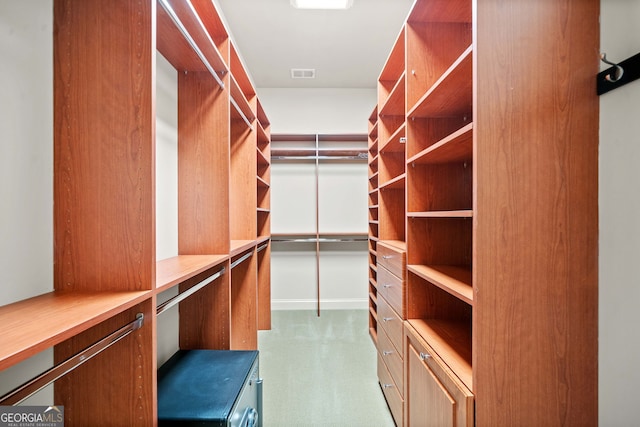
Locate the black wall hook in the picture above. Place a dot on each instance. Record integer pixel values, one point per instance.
(618, 74)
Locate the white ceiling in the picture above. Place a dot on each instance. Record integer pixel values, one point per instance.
(346, 47)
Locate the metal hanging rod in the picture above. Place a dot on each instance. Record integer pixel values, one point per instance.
(321, 240)
(260, 248)
(192, 290)
(36, 384)
(244, 118)
(241, 259)
(176, 20)
(359, 158)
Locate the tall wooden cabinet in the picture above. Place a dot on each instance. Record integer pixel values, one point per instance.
(106, 273)
(486, 175)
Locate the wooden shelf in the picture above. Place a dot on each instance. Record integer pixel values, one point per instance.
(441, 11)
(262, 159)
(451, 341)
(175, 270)
(262, 183)
(397, 183)
(399, 244)
(453, 279)
(173, 45)
(451, 95)
(454, 148)
(442, 214)
(395, 143)
(35, 324)
(240, 102)
(395, 103)
(239, 246)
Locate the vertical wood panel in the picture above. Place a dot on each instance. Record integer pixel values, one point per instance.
(535, 260)
(203, 165)
(104, 132)
(118, 386)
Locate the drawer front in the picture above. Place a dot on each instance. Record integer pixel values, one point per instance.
(433, 391)
(394, 399)
(393, 259)
(393, 359)
(393, 289)
(389, 322)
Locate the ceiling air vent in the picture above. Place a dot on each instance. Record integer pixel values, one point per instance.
(303, 73)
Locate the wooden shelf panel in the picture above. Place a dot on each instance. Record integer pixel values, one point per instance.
(262, 158)
(174, 47)
(239, 73)
(395, 143)
(399, 244)
(441, 11)
(454, 148)
(396, 183)
(467, 213)
(35, 324)
(451, 341)
(451, 95)
(262, 183)
(241, 105)
(394, 65)
(239, 246)
(452, 279)
(395, 102)
(175, 270)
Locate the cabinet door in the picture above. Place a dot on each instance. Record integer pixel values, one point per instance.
(433, 398)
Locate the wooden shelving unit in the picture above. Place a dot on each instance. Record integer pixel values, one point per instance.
(479, 175)
(105, 272)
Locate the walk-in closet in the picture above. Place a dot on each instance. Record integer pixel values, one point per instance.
(280, 213)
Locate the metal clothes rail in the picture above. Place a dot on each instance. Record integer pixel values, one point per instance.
(44, 379)
(192, 290)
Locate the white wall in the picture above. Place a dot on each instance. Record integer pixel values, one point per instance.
(342, 201)
(26, 167)
(619, 192)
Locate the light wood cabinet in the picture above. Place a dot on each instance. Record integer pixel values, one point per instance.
(105, 267)
(486, 174)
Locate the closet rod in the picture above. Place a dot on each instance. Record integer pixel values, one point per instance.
(36, 384)
(192, 290)
(321, 240)
(176, 20)
(260, 248)
(244, 118)
(241, 259)
(360, 158)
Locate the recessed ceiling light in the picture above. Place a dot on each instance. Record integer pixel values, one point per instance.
(322, 4)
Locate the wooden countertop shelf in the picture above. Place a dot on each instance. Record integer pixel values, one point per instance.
(450, 278)
(175, 270)
(239, 246)
(35, 324)
(451, 341)
(451, 95)
(456, 147)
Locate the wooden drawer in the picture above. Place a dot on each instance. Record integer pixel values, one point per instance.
(394, 398)
(393, 289)
(393, 359)
(390, 323)
(435, 396)
(393, 259)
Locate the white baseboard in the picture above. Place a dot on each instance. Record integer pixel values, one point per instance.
(333, 304)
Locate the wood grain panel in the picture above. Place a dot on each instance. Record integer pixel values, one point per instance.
(536, 249)
(243, 198)
(204, 316)
(203, 165)
(118, 386)
(104, 214)
(264, 288)
(244, 310)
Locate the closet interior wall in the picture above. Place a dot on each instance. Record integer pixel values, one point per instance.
(483, 218)
(106, 267)
(319, 217)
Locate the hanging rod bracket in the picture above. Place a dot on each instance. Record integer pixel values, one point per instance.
(619, 74)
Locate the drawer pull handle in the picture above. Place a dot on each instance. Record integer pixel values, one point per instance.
(387, 352)
(387, 385)
(387, 285)
(387, 319)
(387, 256)
(424, 356)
